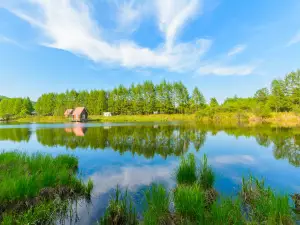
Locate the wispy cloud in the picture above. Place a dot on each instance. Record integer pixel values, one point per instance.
(70, 25)
(236, 50)
(294, 40)
(4, 39)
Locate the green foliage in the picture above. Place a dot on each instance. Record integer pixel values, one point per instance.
(120, 210)
(186, 173)
(23, 177)
(157, 206)
(11, 107)
(265, 207)
(189, 203)
(206, 176)
(227, 211)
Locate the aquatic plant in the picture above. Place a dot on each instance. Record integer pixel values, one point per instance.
(28, 181)
(264, 205)
(157, 206)
(186, 172)
(227, 211)
(206, 176)
(120, 210)
(189, 203)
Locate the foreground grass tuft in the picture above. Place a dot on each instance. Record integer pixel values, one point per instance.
(28, 182)
(190, 203)
(186, 173)
(207, 176)
(265, 207)
(157, 206)
(120, 210)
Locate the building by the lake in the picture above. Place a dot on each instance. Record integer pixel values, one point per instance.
(78, 114)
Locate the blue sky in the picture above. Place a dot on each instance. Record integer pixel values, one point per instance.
(225, 47)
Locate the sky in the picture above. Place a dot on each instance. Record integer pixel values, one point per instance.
(224, 47)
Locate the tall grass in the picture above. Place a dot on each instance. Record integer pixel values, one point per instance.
(31, 178)
(120, 210)
(186, 173)
(189, 203)
(157, 206)
(227, 211)
(207, 176)
(265, 206)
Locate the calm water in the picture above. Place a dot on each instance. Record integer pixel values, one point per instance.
(134, 155)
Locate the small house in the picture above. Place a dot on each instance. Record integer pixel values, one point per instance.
(79, 114)
(68, 113)
(107, 114)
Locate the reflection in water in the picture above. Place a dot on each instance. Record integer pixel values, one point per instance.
(165, 140)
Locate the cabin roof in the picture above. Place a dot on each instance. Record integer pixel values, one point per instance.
(68, 112)
(78, 111)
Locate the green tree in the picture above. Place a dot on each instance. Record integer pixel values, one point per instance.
(262, 95)
(197, 100)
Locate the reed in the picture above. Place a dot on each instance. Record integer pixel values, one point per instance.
(186, 172)
(206, 176)
(157, 206)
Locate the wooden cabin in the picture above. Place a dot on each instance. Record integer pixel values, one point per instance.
(68, 113)
(80, 114)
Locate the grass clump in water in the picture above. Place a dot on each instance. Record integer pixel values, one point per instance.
(189, 203)
(265, 207)
(227, 211)
(157, 206)
(206, 176)
(120, 210)
(31, 180)
(186, 173)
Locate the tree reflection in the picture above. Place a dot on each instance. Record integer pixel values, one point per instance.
(13, 134)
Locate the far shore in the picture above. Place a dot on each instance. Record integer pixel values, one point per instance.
(288, 119)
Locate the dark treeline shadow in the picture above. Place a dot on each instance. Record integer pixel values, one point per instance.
(141, 140)
(15, 134)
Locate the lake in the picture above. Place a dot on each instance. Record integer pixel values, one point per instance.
(134, 155)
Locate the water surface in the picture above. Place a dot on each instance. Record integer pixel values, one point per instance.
(134, 155)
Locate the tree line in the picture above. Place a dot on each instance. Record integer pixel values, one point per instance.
(165, 97)
(140, 99)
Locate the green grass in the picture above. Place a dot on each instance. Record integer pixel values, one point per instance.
(157, 206)
(120, 210)
(30, 180)
(189, 201)
(186, 172)
(206, 176)
(227, 211)
(265, 206)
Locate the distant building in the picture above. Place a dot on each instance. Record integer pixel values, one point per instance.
(68, 112)
(155, 112)
(79, 114)
(107, 114)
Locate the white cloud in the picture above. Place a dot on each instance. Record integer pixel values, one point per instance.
(172, 16)
(7, 40)
(225, 70)
(69, 25)
(237, 49)
(233, 159)
(295, 39)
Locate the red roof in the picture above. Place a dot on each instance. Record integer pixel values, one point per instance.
(68, 112)
(78, 111)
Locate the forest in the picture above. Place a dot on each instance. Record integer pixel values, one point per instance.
(163, 98)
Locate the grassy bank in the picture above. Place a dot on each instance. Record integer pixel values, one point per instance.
(35, 186)
(195, 201)
(282, 119)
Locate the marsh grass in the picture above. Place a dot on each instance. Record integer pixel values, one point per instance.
(30, 180)
(186, 172)
(120, 210)
(157, 206)
(206, 175)
(227, 211)
(189, 203)
(265, 206)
